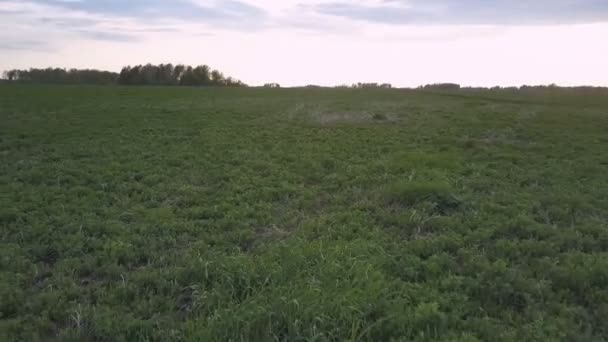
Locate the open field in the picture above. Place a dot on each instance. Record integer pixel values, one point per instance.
(191, 214)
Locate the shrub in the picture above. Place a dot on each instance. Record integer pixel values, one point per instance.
(379, 117)
(412, 193)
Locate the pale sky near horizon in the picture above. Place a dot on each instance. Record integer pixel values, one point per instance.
(325, 42)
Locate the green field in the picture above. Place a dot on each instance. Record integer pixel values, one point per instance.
(193, 214)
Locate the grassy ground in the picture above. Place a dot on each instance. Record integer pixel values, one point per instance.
(165, 214)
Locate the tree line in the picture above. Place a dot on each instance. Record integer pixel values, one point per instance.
(148, 74)
(61, 76)
(168, 74)
(440, 86)
(363, 85)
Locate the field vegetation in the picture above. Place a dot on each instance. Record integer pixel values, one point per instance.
(252, 214)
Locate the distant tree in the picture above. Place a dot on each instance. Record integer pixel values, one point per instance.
(442, 86)
(202, 75)
(217, 78)
(188, 78)
(272, 85)
(232, 82)
(178, 73)
(123, 77)
(165, 74)
(10, 75)
(371, 85)
(149, 74)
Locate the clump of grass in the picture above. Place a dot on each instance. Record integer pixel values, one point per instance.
(379, 117)
(405, 193)
(410, 160)
(469, 143)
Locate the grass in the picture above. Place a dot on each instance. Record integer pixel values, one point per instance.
(409, 194)
(165, 214)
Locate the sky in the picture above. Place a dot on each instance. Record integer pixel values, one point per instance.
(323, 42)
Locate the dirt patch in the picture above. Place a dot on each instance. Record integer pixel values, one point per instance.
(342, 117)
(270, 233)
(318, 114)
(263, 235)
(527, 114)
(499, 137)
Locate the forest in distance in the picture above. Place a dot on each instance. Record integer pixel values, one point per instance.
(148, 74)
(202, 75)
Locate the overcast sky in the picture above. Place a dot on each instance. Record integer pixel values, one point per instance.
(326, 42)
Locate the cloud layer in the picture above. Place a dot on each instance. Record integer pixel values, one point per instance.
(154, 9)
(237, 13)
(470, 12)
(121, 21)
